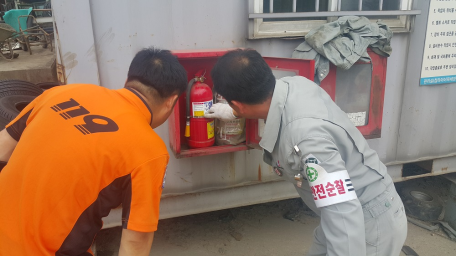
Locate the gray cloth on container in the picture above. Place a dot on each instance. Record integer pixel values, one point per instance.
(344, 42)
(305, 51)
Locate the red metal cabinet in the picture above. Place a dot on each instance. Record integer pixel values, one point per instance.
(195, 62)
(360, 88)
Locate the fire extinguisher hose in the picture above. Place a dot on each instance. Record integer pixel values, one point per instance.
(187, 123)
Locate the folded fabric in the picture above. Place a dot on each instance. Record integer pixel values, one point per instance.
(305, 51)
(344, 42)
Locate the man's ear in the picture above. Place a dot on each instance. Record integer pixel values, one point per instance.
(171, 101)
(239, 107)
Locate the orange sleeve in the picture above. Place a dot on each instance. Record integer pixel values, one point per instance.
(141, 209)
(17, 126)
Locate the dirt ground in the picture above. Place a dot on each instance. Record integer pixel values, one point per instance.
(280, 228)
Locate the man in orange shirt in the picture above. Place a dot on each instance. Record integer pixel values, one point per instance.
(77, 151)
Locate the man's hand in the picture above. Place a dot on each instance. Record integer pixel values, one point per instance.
(221, 111)
(135, 243)
(7, 145)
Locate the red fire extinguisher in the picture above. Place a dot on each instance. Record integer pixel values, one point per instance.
(199, 130)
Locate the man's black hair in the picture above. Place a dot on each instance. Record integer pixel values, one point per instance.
(160, 70)
(243, 75)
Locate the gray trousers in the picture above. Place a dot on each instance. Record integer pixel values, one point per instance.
(385, 225)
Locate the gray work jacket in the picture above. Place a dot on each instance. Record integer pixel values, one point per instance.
(303, 121)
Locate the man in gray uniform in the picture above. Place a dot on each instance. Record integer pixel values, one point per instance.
(310, 142)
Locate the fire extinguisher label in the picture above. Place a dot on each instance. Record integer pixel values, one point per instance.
(200, 108)
(210, 130)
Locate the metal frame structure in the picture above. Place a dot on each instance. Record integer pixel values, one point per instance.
(338, 3)
(22, 36)
(35, 31)
(332, 14)
(7, 35)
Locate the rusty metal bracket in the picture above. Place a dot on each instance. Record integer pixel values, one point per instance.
(37, 31)
(61, 73)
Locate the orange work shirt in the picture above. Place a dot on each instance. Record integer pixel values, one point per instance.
(82, 150)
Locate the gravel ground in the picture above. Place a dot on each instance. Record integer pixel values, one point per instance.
(280, 228)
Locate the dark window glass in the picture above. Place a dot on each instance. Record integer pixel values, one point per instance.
(281, 6)
(369, 5)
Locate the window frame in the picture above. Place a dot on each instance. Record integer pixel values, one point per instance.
(259, 29)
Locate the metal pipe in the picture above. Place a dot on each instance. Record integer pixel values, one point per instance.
(294, 5)
(317, 5)
(332, 14)
(41, 10)
(339, 5)
(360, 5)
(271, 6)
(380, 3)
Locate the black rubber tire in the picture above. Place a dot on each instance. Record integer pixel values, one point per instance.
(48, 85)
(421, 203)
(14, 96)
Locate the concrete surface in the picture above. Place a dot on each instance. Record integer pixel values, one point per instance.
(281, 228)
(36, 68)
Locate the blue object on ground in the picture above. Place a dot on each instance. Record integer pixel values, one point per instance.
(11, 16)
